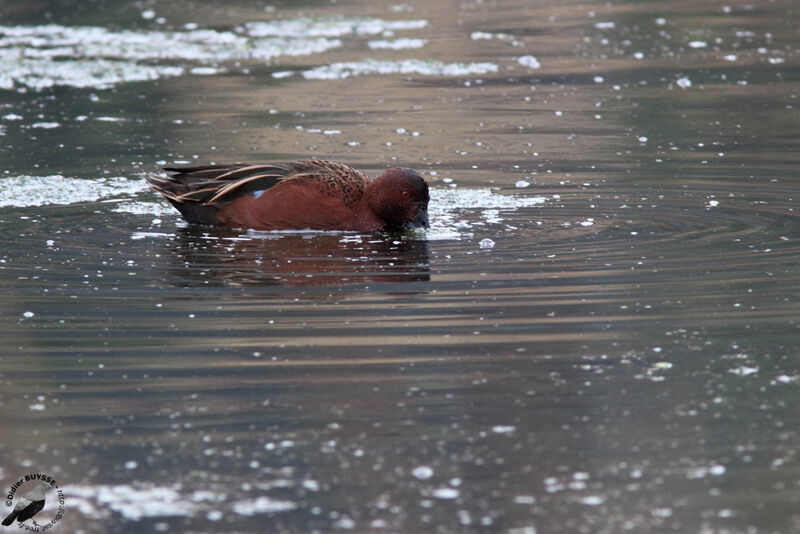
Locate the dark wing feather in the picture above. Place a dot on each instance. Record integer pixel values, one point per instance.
(217, 183)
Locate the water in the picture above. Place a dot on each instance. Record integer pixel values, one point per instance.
(599, 333)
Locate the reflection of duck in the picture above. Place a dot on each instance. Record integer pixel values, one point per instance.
(297, 259)
(29, 505)
(320, 195)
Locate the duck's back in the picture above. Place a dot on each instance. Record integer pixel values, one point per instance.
(313, 194)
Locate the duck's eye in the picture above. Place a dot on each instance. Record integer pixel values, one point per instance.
(405, 194)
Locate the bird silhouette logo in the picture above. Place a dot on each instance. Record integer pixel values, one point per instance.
(29, 505)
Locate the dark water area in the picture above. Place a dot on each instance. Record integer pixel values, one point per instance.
(598, 334)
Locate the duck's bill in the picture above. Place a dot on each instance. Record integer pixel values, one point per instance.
(420, 221)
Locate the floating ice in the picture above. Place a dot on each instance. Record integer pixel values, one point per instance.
(529, 61)
(38, 57)
(486, 243)
(449, 206)
(422, 472)
(743, 370)
(446, 493)
(141, 235)
(22, 191)
(397, 44)
(329, 27)
(684, 82)
(476, 36)
(133, 503)
(262, 505)
(340, 71)
(159, 208)
(45, 125)
(703, 471)
(698, 44)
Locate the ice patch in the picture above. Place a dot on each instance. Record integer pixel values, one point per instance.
(158, 209)
(262, 505)
(330, 27)
(397, 44)
(451, 211)
(422, 472)
(25, 191)
(529, 61)
(45, 125)
(38, 57)
(477, 36)
(340, 71)
(446, 493)
(133, 503)
(141, 235)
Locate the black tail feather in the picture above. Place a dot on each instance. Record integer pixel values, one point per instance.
(197, 213)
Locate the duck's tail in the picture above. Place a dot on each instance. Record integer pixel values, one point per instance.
(197, 191)
(192, 209)
(195, 213)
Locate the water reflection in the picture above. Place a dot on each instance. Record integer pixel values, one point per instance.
(295, 259)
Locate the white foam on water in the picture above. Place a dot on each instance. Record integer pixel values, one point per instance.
(340, 71)
(25, 191)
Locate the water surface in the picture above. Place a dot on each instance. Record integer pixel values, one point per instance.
(599, 333)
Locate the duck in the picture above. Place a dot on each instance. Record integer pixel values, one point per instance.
(297, 195)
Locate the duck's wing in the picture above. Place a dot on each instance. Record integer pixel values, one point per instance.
(217, 183)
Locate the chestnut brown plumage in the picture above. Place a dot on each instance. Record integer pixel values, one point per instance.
(315, 194)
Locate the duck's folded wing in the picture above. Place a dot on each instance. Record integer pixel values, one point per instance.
(217, 183)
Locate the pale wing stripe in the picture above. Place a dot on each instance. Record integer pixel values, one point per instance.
(238, 183)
